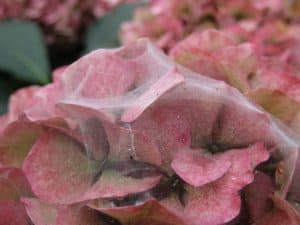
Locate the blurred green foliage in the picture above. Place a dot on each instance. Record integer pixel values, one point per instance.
(23, 52)
(104, 33)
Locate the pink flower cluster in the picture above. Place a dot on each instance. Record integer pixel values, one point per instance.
(128, 137)
(272, 25)
(272, 82)
(58, 17)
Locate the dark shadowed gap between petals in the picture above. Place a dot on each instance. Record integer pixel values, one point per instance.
(168, 186)
(108, 219)
(95, 139)
(130, 168)
(134, 169)
(96, 177)
(213, 145)
(269, 167)
(243, 218)
(209, 18)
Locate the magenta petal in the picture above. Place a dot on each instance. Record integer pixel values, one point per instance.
(13, 213)
(197, 169)
(39, 212)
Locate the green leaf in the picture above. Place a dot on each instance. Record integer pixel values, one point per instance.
(23, 52)
(7, 86)
(104, 33)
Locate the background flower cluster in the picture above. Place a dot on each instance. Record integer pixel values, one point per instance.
(59, 19)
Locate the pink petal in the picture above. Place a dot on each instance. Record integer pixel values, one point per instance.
(130, 66)
(285, 170)
(197, 169)
(275, 75)
(3, 121)
(13, 213)
(219, 202)
(60, 172)
(186, 121)
(58, 73)
(16, 141)
(208, 40)
(113, 184)
(239, 126)
(150, 212)
(22, 100)
(45, 103)
(237, 64)
(13, 184)
(126, 143)
(39, 212)
(162, 85)
(57, 168)
(211, 205)
(257, 196)
(243, 162)
(277, 103)
(282, 214)
(99, 74)
(79, 215)
(196, 52)
(176, 132)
